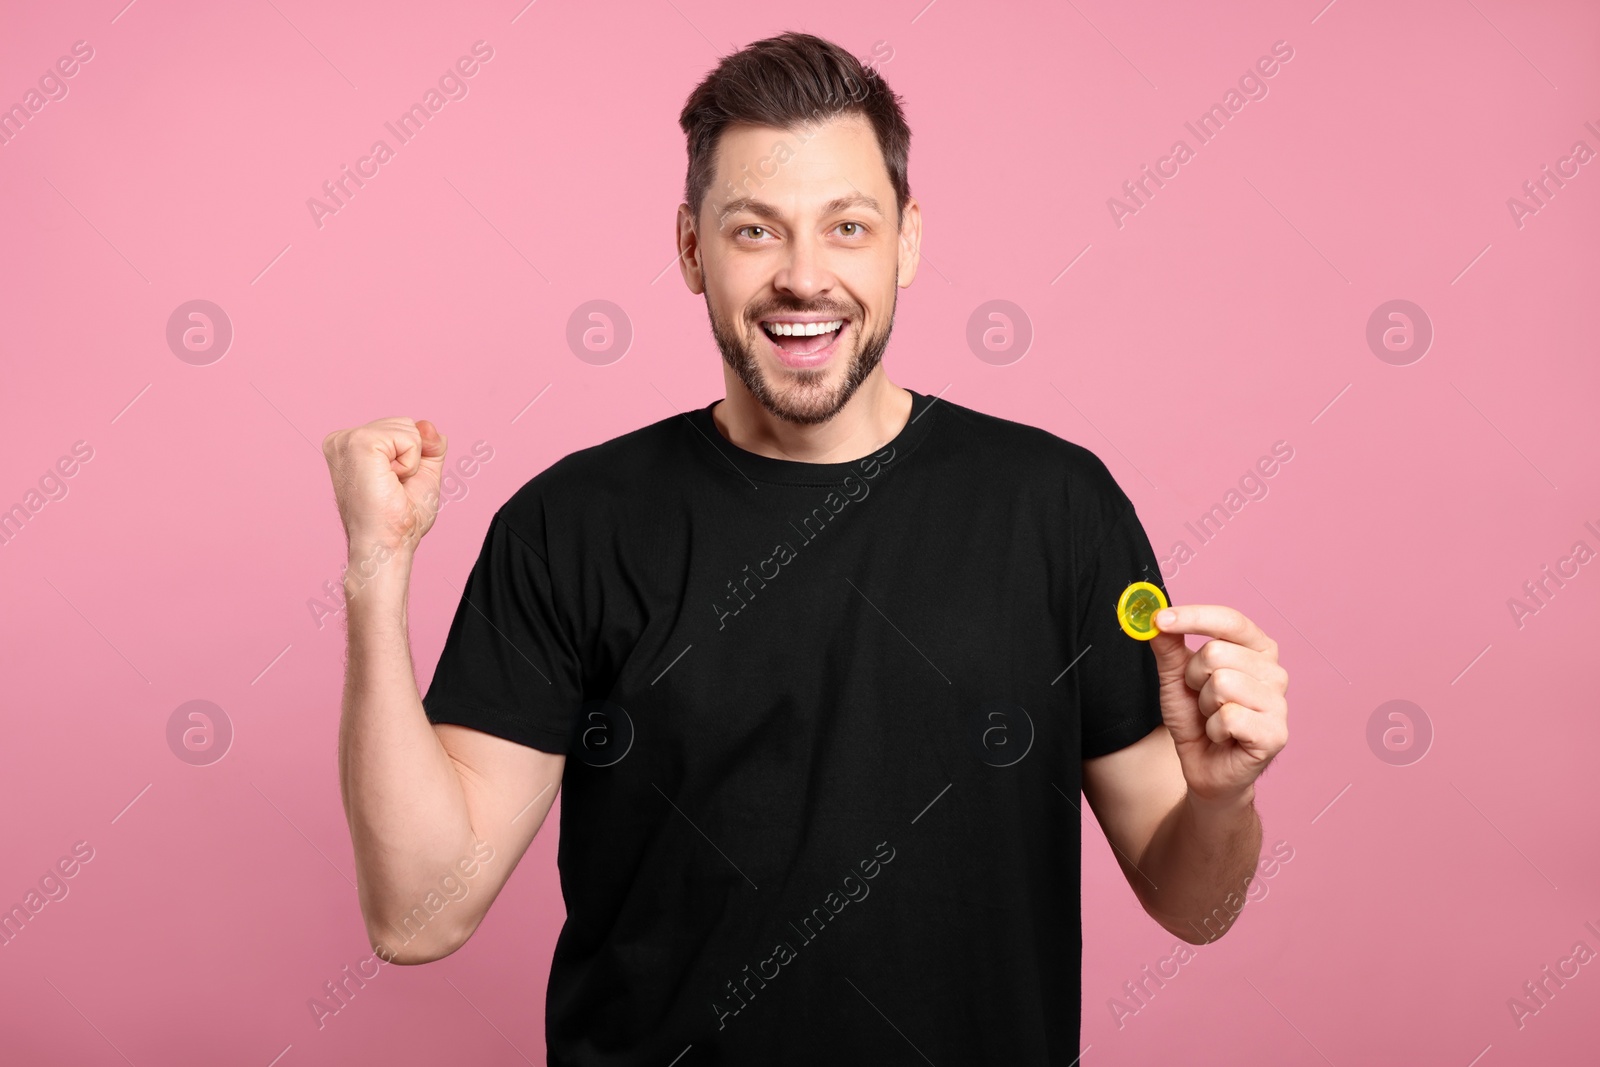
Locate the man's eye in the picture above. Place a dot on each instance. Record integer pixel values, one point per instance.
(857, 226)
(742, 229)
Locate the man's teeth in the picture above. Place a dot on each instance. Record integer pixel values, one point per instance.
(801, 329)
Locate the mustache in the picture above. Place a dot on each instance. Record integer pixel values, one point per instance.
(836, 312)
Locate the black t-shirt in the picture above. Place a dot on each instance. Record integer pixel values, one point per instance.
(824, 725)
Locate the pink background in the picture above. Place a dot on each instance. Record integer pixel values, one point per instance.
(1229, 313)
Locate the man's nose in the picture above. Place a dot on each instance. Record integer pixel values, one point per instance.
(805, 272)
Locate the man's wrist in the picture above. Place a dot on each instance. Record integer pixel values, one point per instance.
(378, 572)
(1228, 806)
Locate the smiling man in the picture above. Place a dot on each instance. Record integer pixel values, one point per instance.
(820, 668)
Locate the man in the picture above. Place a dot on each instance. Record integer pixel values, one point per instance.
(820, 668)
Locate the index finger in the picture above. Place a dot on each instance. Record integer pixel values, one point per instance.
(1214, 620)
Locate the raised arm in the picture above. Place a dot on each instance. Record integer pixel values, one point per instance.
(439, 815)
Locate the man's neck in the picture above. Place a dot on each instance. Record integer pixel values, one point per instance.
(871, 418)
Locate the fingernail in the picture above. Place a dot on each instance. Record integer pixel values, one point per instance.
(1167, 618)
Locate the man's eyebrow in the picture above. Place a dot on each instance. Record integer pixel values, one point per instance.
(762, 209)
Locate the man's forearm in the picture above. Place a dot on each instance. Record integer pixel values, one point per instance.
(407, 811)
(1200, 862)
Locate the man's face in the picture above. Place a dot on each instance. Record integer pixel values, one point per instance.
(799, 255)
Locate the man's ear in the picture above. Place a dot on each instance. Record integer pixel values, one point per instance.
(910, 243)
(687, 239)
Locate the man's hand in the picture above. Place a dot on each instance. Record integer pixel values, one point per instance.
(1224, 705)
(386, 478)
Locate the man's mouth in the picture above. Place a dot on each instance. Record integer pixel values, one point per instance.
(802, 343)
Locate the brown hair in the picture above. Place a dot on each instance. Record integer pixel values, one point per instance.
(794, 79)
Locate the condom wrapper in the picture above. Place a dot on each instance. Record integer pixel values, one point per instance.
(1136, 609)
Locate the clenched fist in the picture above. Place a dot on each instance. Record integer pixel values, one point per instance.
(386, 481)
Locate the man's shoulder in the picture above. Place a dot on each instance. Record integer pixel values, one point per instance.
(622, 459)
(1026, 451)
(628, 467)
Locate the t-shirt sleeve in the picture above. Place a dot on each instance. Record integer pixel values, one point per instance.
(509, 667)
(1118, 689)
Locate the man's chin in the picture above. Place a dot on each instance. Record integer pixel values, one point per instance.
(805, 396)
(803, 407)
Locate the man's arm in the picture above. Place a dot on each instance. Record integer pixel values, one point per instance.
(1179, 805)
(1189, 861)
(431, 809)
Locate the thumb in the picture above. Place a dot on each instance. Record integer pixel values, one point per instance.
(1172, 655)
(433, 444)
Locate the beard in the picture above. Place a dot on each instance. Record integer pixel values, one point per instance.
(807, 399)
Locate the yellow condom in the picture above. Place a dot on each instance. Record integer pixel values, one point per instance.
(1136, 609)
